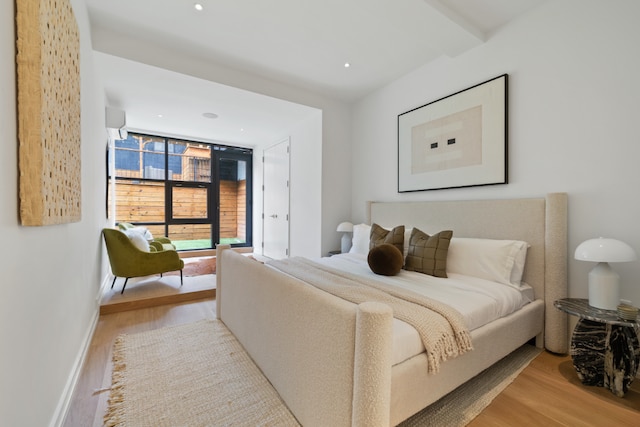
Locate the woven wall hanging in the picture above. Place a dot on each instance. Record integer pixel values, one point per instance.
(48, 73)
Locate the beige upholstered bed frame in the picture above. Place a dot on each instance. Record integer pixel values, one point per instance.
(330, 360)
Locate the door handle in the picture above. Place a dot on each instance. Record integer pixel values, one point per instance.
(274, 216)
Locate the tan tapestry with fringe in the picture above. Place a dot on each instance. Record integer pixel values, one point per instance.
(48, 74)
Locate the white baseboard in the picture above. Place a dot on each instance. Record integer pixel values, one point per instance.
(65, 399)
(103, 286)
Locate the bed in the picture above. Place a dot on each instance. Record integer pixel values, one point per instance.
(332, 360)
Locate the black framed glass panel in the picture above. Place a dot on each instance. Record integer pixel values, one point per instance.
(197, 194)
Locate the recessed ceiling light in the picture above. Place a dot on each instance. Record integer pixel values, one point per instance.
(198, 7)
(160, 115)
(347, 65)
(210, 115)
(241, 129)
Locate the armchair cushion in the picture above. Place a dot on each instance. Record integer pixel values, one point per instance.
(138, 240)
(144, 231)
(156, 245)
(164, 242)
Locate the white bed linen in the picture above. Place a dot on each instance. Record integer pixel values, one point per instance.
(479, 301)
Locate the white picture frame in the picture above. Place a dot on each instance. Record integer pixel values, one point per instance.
(456, 141)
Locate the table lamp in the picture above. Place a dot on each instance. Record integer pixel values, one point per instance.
(346, 228)
(604, 283)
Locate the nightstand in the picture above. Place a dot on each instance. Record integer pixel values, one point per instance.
(604, 348)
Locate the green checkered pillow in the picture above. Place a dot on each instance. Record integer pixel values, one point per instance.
(380, 235)
(428, 254)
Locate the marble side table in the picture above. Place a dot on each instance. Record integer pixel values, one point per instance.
(604, 348)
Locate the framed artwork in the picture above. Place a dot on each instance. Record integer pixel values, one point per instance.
(49, 133)
(457, 141)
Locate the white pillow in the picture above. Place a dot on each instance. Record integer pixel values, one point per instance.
(360, 240)
(143, 231)
(407, 237)
(137, 239)
(500, 261)
(518, 266)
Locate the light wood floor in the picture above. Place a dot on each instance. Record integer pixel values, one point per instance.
(547, 392)
(89, 401)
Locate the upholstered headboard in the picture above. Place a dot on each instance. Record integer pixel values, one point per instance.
(542, 222)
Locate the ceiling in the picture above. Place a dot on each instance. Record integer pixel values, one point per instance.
(167, 103)
(302, 43)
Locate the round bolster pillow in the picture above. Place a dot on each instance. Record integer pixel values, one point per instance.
(385, 259)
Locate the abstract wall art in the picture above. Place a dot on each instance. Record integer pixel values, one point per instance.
(456, 141)
(49, 138)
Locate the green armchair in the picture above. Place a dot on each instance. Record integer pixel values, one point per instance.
(128, 261)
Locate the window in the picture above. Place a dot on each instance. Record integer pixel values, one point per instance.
(197, 194)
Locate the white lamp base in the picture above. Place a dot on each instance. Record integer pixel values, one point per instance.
(604, 287)
(345, 243)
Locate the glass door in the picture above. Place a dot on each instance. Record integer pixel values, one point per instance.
(190, 195)
(233, 172)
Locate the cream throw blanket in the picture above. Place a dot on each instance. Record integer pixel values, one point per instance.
(441, 327)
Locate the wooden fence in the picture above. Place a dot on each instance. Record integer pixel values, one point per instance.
(145, 202)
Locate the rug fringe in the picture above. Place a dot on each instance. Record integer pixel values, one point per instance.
(115, 409)
(100, 390)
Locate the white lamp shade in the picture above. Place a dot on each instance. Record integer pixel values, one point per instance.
(604, 283)
(345, 227)
(605, 250)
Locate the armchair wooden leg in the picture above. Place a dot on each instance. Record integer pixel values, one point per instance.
(124, 286)
(181, 278)
(114, 281)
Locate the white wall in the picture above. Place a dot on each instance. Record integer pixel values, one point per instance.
(574, 106)
(333, 200)
(305, 142)
(306, 185)
(51, 274)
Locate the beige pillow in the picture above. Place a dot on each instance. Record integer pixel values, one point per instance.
(428, 254)
(380, 235)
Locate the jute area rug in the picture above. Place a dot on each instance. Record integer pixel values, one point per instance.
(199, 375)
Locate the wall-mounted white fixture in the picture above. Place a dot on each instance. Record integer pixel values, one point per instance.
(116, 122)
(604, 283)
(346, 228)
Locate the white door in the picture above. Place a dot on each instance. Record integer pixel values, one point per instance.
(275, 196)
